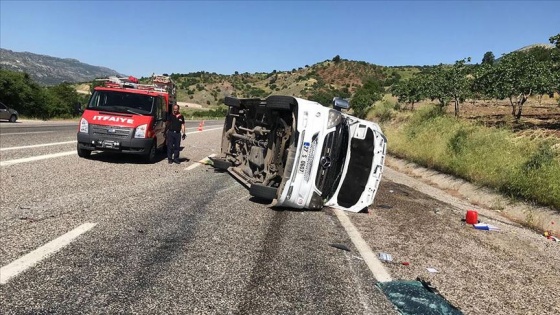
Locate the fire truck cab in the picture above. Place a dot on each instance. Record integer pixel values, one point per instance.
(127, 117)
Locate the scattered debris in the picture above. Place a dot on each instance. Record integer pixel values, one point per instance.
(432, 270)
(385, 257)
(428, 285)
(487, 227)
(417, 297)
(471, 217)
(388, 258)
(549, 236)
(341, 246)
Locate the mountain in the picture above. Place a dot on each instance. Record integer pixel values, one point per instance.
(47, 70)
(548, 46)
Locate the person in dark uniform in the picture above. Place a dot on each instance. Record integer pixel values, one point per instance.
(175, 128)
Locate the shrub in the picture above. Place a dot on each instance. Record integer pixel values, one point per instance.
(383, 111)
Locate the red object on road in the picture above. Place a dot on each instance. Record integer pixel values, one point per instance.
(472, 217)
(406, 263)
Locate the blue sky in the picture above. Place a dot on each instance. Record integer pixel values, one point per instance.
(142, 37)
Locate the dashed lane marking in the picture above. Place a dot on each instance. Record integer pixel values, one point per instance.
(23, 133)
(36, 158)
(375, 266)
(29, 260)
(37, 145)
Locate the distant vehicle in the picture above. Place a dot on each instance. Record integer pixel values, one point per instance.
(301, 154)
(7, 113)
(127, 117)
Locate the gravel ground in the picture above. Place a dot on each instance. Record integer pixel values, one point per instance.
(511, 271)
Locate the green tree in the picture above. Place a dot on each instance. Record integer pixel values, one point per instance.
(409, 91)
(488, 58)
(540, 53)
(62, 100)
(365, 96)
(481, 84)
(336, 59)
(555, 40)
(516, 76)
(325, 96)
(20, 92)
(446, 83)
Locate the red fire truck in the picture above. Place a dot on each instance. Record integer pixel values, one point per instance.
(125, 116)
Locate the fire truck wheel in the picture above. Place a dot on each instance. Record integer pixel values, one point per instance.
(151, 155)
(163, 148)
(263, 192)
(83, 153)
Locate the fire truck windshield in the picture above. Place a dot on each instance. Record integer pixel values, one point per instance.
(121, 102)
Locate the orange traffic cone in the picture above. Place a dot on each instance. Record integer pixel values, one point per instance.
(200, 126)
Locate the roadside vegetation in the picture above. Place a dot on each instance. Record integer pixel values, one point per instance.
(492, 150)
(31, 100)
(496, 157)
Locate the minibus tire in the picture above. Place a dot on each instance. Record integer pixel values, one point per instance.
(280, 102)
(220, 164)
(231, 101)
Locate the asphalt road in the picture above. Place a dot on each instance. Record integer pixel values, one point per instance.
(163, 239)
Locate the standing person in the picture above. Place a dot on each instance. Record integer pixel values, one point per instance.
(175, 127)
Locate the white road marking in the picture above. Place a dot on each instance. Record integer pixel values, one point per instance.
(23, 133)
(37, 145)
(29, 260)
(192, 167)
(55, 155)
(375, 266)
(239, 199)
(197, 164)
(37, 158)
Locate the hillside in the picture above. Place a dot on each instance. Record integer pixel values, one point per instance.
(324, 78)
(47, 70)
